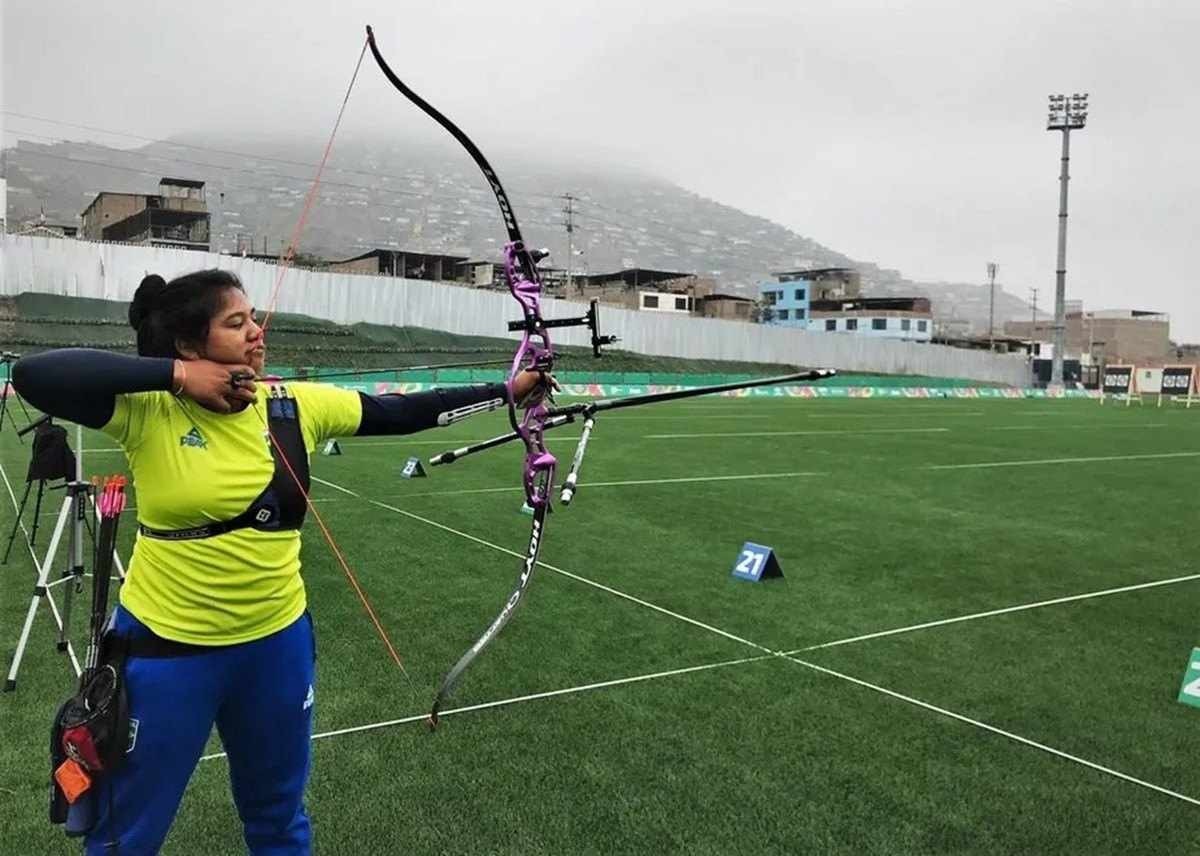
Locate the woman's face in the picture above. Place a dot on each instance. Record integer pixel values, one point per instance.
(234, 335)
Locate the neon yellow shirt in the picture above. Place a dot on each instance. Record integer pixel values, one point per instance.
(191, 467)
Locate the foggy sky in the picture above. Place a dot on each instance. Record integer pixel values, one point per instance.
(910, 134)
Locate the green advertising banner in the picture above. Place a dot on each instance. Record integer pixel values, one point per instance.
(620, 384)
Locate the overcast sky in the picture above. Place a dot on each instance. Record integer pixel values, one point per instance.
(910, 134)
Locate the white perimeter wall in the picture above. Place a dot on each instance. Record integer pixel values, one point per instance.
(112, 272)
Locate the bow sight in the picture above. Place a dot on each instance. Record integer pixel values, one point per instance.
(591, 320)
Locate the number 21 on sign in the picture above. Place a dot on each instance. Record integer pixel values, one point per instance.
(756, 562)
(750, 563)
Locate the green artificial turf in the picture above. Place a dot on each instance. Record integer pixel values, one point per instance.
(877, 526)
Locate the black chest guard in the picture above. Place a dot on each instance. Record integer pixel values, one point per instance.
(282, 504)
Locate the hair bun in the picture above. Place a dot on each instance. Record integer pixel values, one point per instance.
(149, 292)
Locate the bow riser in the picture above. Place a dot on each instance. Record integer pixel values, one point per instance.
(536, 353)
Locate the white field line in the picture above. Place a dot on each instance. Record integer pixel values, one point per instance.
(1025, 741)
(787, 475)
(910, 414)
(975, 615)
(622, 417)
(549, 567)
(685, 480)
(805, 474)
(422, 717)
(797, 433)
(1076, 427)
(883, 402)
(1031, 463)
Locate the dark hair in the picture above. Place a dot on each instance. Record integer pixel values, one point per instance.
(165, 313)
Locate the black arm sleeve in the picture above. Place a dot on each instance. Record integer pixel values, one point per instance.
(82, 385)
(407, 414)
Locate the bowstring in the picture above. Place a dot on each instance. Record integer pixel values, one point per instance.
(285, 262)
(350, 575)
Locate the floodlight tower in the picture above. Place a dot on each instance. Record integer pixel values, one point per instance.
(1066, 115)
(992, 267)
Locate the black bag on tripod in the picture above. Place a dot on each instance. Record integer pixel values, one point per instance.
(52, 456)
(52, 459)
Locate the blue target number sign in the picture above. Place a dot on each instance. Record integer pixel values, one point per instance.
(756, 562)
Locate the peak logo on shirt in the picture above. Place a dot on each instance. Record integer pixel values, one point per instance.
(193, 438)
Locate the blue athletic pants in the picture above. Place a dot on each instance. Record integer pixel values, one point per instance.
(259, 695)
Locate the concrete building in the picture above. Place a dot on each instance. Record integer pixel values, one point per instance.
(403, 263)
(642, 289)
(825, 283)
(177, 216)
(1136, 336)
(785, 304)
(908, 318)
(665, 301)
(731, 307)
(109, 208)
(786, 301)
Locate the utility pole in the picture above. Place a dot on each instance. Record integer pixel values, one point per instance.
(569, 223)
(991, 269)
(1065, 115)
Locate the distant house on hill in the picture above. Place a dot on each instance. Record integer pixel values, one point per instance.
(731, 307)
(404, 263)
(177, 216)
(787, 299)
(908, 318)
(643, 289)
(1138, 336)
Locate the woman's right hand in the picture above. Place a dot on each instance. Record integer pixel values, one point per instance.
(219, 387)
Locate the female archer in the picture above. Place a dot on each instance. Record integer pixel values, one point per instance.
(213, 609)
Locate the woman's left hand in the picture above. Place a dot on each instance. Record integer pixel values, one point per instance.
(531, 386)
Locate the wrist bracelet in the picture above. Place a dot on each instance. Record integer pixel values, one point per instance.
(182, 378)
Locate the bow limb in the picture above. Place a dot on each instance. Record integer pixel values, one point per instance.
(506, 209)
(535, 351)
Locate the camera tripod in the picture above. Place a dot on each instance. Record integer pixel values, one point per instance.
(72, 520)
(7, 358)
